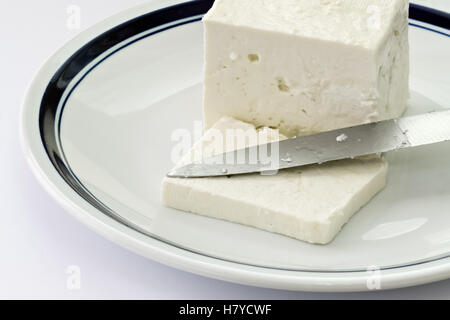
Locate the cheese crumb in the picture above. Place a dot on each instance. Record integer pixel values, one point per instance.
(342, 138)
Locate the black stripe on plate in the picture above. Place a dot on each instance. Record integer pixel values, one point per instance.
(430, 15)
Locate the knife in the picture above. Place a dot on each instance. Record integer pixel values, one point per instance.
(352, 142)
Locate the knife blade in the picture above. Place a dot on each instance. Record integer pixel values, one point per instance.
(351, 142)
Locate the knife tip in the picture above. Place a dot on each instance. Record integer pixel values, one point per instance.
(174, 174)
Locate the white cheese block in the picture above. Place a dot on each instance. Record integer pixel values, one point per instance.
(306, 66)
(309, 203)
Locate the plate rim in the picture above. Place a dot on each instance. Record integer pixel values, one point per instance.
(154, 249)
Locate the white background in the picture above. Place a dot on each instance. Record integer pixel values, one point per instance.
(38, 240)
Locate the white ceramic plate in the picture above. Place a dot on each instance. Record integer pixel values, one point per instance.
(97, 124)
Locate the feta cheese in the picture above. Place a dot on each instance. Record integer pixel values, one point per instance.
(306, 66)
(309, 203)
(342, 138)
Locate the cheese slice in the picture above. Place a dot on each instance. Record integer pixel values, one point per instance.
(306, 66)
(309, 203)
